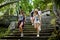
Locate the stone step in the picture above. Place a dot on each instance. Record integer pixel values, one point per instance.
(42, 31)
(31, 23)
(27, 37)
(9, 39)
(41, 27)
(32, 29)
(30, 34)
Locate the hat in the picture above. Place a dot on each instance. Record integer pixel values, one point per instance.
(36, 9)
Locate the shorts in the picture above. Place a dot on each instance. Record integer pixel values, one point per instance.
(20, 23)
(37, 21)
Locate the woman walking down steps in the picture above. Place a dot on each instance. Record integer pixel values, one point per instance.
(37, 21)
(21, 21)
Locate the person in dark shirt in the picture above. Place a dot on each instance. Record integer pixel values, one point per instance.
(21, 20)
(31, 16)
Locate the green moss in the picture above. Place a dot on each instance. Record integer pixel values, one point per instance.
(53, 22)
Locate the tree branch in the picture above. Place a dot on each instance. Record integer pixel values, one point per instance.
(7, 3)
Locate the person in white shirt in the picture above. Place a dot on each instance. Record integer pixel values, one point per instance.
(36, 21)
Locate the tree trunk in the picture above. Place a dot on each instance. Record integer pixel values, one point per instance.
(56, 10)
(57, 13)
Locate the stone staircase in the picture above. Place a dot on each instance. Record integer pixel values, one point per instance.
(30, 32)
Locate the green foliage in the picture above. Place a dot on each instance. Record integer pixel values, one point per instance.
(53, 22)
(1, 1)
(52, 15)
(55, 35)
(27, 6)
(42, 4)
(4, 31)
(57, 2)
(4, 8)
